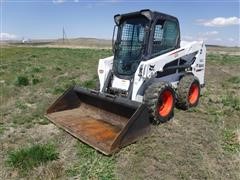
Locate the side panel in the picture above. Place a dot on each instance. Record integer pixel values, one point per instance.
(148, 69)
(198, 68)
(122, 84)
(104, 66)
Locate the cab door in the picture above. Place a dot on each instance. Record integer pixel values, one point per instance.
(165, 37)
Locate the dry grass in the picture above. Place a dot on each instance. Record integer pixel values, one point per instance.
(202, 143)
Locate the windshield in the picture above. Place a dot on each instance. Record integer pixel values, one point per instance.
(129, 47)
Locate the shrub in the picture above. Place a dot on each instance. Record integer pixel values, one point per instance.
(35, 81)
(29, 157)
(22, 81)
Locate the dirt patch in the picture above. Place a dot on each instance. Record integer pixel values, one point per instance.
(52, 170)
(43, 133)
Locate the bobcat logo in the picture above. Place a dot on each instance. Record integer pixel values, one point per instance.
(151, 68)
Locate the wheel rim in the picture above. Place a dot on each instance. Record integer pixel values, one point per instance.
(167, 103)
(193, 93)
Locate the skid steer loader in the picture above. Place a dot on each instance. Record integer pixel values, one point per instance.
(150, 72)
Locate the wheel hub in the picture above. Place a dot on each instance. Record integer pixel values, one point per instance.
(167, 103)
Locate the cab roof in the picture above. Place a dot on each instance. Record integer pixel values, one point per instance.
(150, 15)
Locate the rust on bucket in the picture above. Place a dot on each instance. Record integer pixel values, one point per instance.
(96, 121)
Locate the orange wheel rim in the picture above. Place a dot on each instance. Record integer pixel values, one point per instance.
(167, 103)
(193, 93)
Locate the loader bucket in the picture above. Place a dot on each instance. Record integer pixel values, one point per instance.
(102, 121)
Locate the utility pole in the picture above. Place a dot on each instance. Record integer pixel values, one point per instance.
(64, 35)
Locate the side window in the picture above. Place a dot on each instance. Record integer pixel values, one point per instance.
(158, 37)
(165, 36)
(127, 32)
(170, 35)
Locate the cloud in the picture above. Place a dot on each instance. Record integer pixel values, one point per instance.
(7, 36)
(219, 21)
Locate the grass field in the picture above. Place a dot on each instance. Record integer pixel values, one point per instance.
(202, 143)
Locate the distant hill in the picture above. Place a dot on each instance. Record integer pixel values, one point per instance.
(101, 44)
(71, 43)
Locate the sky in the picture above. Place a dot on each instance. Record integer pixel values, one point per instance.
(214, 21)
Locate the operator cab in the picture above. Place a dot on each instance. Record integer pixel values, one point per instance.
(141, 36)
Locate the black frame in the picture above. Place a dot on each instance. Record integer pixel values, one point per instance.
(119, 35)
(153, 17)
(153, 32)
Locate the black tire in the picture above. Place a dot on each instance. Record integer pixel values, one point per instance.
(184, 92)
(153, 98)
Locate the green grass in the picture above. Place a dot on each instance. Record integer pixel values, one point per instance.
(92, 83)
(22, 81)
(223, 59)
(37, 74)
(24, 119)
(231, 101)
(50, 71)
(35, 81)
(47, 68)
(19, 104)
(234, 80)
(27, 158)
(2, 128)
(89, 84)
(92, 164)
(230, 141)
